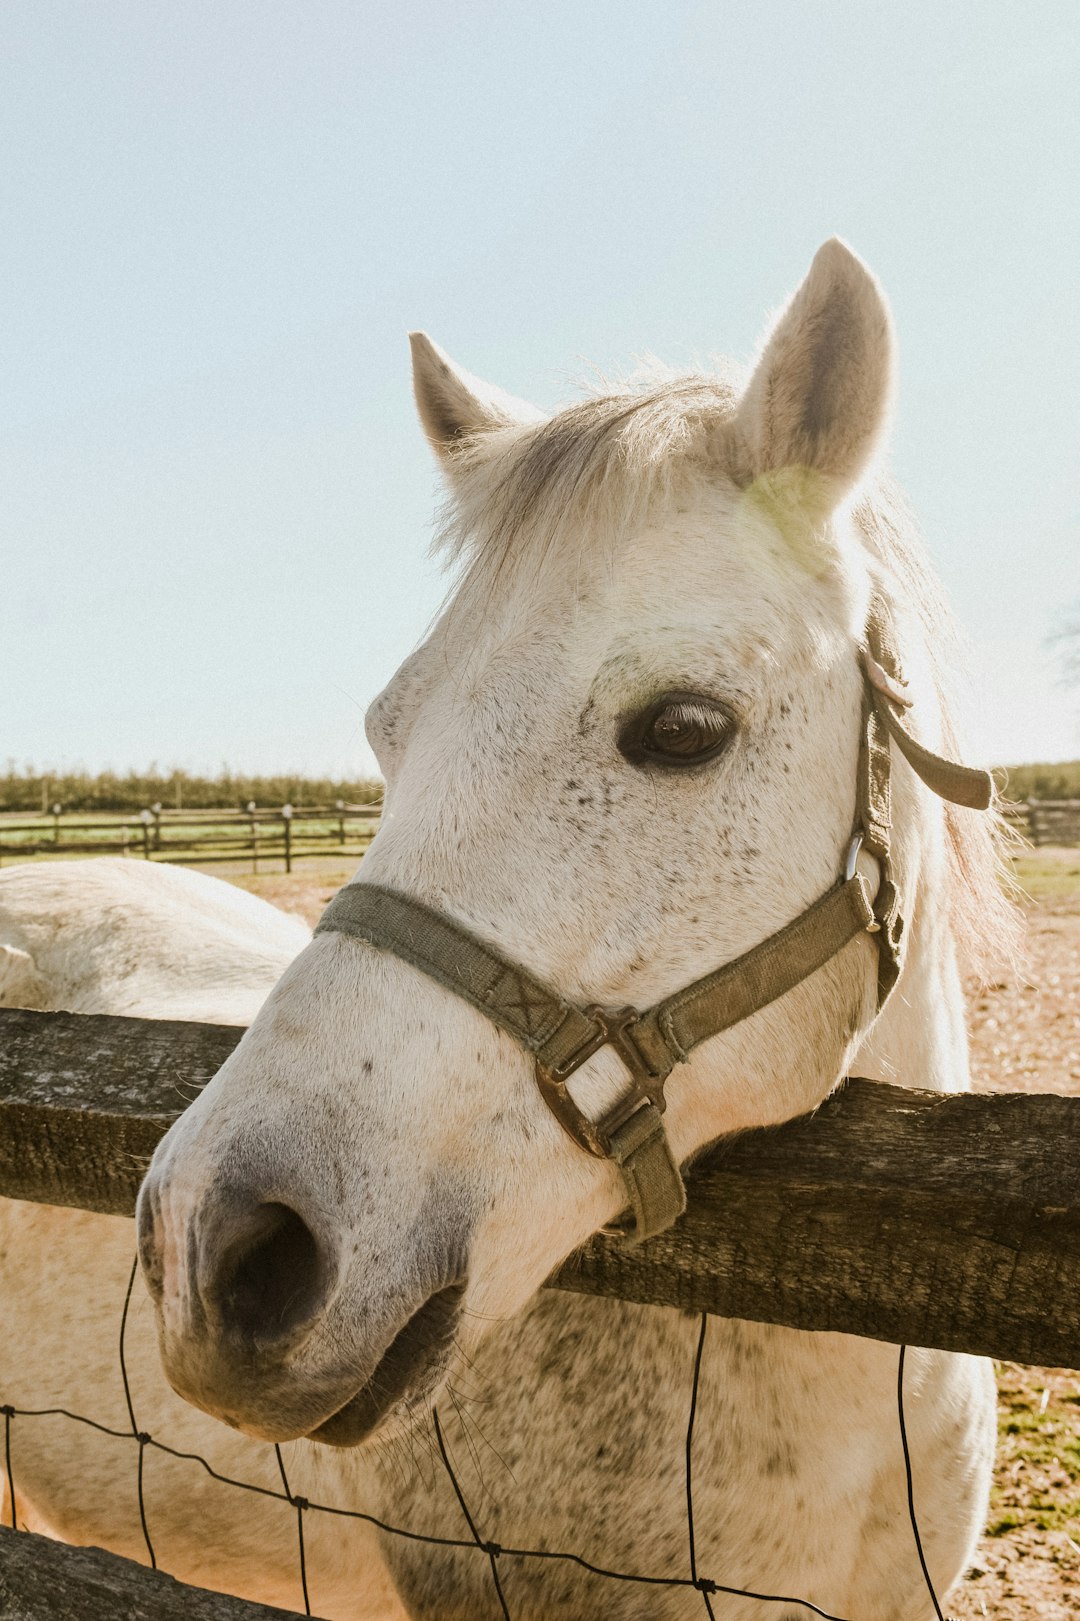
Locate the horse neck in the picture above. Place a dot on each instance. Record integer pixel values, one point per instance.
(920, 1040)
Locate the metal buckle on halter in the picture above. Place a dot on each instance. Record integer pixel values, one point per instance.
(614, 1030)
(888, 920)
(851, 868)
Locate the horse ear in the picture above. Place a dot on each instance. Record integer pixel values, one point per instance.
(818, 401)
(454, 406)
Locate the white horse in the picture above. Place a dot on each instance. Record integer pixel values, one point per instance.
(626, 755)
(139, 938)
(149, 941)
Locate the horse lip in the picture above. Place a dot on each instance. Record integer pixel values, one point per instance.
(408, 1370)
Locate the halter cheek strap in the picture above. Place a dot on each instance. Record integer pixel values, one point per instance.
(561, 1036)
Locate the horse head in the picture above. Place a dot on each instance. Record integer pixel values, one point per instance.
(626, 754)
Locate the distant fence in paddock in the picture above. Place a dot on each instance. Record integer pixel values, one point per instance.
(290, 833)
(949, 1221)
(284, 834)
(1047, 821)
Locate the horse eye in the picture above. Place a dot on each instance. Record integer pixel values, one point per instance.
(678, 729)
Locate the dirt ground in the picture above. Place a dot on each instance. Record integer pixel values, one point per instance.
(1025, 1036)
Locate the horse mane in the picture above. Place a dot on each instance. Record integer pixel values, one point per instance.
(599, 465)
(605, 463)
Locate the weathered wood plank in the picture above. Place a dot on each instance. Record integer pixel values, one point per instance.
(898, 1215)
(85, 1100)
(42, 1580)
(904, 1216)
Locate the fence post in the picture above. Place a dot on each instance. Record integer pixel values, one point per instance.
(1032, 808)
(146, 817)
(56, 823)
(341, 822)
(254, 836)
(156, 809)
(286, 817)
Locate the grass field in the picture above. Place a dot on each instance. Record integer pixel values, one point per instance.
(1049, 875)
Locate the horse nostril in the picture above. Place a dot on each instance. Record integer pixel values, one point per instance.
(273, 1275)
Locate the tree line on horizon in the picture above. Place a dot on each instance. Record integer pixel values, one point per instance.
(1059, 779)
(37, 792)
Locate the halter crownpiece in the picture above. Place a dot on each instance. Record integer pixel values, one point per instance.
(561, 1036)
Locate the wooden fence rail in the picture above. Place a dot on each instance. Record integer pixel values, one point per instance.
(1047, 821)
(42, 1580)
(948, 1221)
(195, 837)
(205, 836)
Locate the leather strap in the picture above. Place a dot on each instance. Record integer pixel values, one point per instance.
(641, 1150)
(562, 1036)
(762, 975)
(530, 1011)
(959, 784)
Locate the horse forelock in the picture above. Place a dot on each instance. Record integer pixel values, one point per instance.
(597, 468)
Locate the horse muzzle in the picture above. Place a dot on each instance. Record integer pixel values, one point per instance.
(268, 1321)
(407, 1375)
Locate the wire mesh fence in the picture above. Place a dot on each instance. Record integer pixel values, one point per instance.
(497, 1555)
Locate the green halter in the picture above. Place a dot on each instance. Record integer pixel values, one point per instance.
(561, 1036)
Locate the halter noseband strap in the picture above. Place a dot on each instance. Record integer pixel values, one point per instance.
(561, 1036)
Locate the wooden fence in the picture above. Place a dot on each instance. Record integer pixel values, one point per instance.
(940, 1220)
(290, 833)
(42, 1580)
(905, 1216)
(1047, 821)
(286, 834)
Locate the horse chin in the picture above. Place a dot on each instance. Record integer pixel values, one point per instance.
(407, 1376)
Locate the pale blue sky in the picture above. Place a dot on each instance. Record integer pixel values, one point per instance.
(220, 219)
